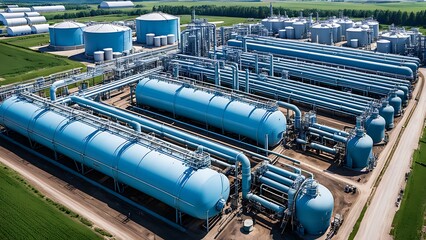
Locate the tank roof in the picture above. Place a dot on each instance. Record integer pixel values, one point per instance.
(68, 24)
(156, 16)
(105, 28)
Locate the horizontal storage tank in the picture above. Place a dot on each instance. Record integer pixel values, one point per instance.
(359, 33)
(100, 36)
(116, 4)
(4, 16)
(398, 41)
(157, 23)
(200, 193)
(383, 46)
(289, 32)
(375, 126)
(32, 14)
(55, 8)
(11, 22)
(66, 35)
(213, 109)
(18, 30)
(150, 39)
(314, 207)
(18, 9)
(40, 28)
(321, 33)
(36, 20)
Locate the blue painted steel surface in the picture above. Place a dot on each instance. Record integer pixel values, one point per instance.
(274, 184)
(98, 37)
(375, 126)
(157, 23)
(66, 34)
(195, 192)
(387, 112)
(396, 103)
(278, 178)
(359, 150)
(314, 211)
(232, 115)
(314, 56)
(265, 203)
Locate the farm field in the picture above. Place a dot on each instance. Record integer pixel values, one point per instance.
(23, 64)
(28, 41)
(24, 215)
(409, 220)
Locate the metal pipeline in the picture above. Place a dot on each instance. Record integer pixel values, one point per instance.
(323, 148)
(297, 112)
(267, 204)
(334, 136)
(274, 184)
(278, 178)
(282, 172)
(247, 81)
(235, 80)
(54, 87)
(330, 129)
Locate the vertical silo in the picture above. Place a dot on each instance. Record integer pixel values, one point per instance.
(398, 41)
(321, 33)
(383, 46)
(299, 30)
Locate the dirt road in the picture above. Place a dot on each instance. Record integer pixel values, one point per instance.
(379, 215)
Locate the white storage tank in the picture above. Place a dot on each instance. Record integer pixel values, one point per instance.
(383, 46)
(345, 24)
(18, 9)
(150, 39)
(116, 55)
(299, 30)
(171, 39)
(337, 32)
(108, 54)
(374, 25)
(98, 56)
(282, 33)
(4, 16)
(11, 22)
(157, 41)
(32, 14)
(18, 30)
(36, 20)
(359, 33)
(354, 43)
(289, 22)
(321, 33)
(289, 32)
(163, 40)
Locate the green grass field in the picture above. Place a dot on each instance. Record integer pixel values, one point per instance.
(227, 21)
(409, 219)
(19, 64)
(24, 215)
(29, 40)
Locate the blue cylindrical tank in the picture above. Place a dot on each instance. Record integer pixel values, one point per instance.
(387, 112)
(66, 34)
(401, 95)
(100, 36)
(375, 126)
(200, 193)
(213, 109)
(359, 150)
(314, 207)
(396, 103)
(158, 23)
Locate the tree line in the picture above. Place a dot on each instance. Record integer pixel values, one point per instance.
(97, 12)
(383, 16)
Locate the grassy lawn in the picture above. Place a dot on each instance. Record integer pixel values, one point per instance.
(102, 18)
(29, 40)
(21, 64)
(409, 219)
(25, 215)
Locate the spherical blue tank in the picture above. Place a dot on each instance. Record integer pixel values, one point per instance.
(158, 23)
(359, 150)
(199, 193)
(213, 109)
(387, 112)
(375, 126)
(396, 103)
(100, 36)
(314, 207)
(66, 34)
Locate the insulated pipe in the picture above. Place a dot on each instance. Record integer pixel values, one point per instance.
(278, 178)
(282, 172)
(273, 184)
(271, 65)
(297, 112)
(330, 129)
(323, 148)
(335, 137)
(54, 87)
(235, 81)
(267, 204)
(256, 64)
(189, 139)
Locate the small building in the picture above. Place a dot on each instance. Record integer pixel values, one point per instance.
(116, 4)
(56, 8)
(18, 9)
(40, 28)
(18, 30)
